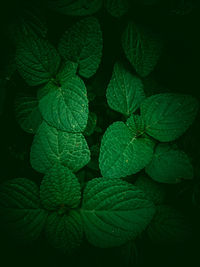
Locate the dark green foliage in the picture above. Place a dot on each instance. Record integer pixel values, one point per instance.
(94, 84)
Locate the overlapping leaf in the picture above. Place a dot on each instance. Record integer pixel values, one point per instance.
(167, 116)
(51, 146)
(20, 209)
(27, 114)
(169, 165)
(122, 153)
(60, 189)
(64, 232)
(142, 48)
(125, 91)
(114, 212)
(37, 60)
(66, 107)
(82, 44)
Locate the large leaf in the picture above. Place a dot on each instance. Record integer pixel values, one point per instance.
(167, 116)
(66, 107)
(60, 189)
(37, 60)
(77, 7)
(142, 48)
(122, 153)
(82, 44)
(169, 225)
(114, 212)
(125, 91)
(153, 190)
(20, 209)
(51, 145)
(64, 232)
(117, 8)
(27, 114)
(169, 165)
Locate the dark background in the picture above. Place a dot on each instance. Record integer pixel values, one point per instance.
(178, 71)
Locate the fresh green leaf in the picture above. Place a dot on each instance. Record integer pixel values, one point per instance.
(117, 8)
(82, 44)
(153, 190)
(27, 114)
(91, 124)
(142, 48)
(37, 60)
(60, 189)
(168, 225)
(167, 116)
(64, 232)
(169, 165)
(66, 107)
(136, 125)
(125, 91)
(122, 153)
(20, 210)
(67, 70)
(51, 145)
(114, 212)
(77, 7)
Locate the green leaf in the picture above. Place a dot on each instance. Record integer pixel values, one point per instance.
(122, 153)
(60, 189)
(77, 7)
(67, 70)
(168, 225)
(20, 209)
(125, 91)
(169, 165)
(37, 60)
(82, 44)
(153, 190)
(117, 8)
(136, 124)
(27, 114)
(114, 212)
(142, 48)
(167, 116)
(66, 107)
(64, 232)
(51, 145)
(91, 124)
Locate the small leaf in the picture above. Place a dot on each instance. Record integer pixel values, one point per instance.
(117, 8)
(169, 165)
(37, 60)
(167, 116)
(27, 114)
(168, 225)
(122, 153)
(114, 212)
(20, 209)
(65, 107)
(142, 48)
(82, 44)
(51, 146)
(91, 124)
(67, 71)
(77, 7)
(64, 232)
(153, 190)
(125, 91)
(136, 125)
(60, 189)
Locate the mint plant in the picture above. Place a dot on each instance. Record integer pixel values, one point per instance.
(104, 176)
